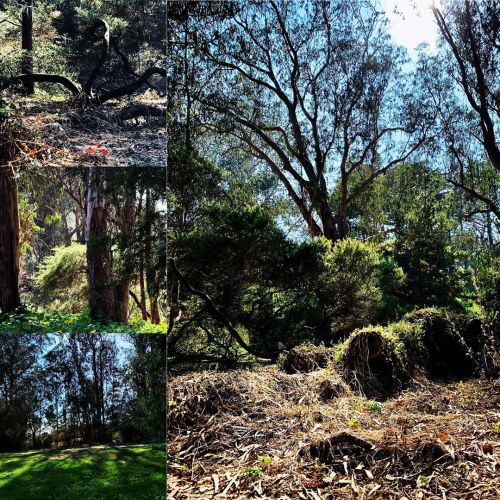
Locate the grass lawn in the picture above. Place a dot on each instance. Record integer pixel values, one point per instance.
(135, 472)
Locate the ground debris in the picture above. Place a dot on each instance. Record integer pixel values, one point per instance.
(434, 440)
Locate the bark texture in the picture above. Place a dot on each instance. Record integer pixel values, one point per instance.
(9, 242)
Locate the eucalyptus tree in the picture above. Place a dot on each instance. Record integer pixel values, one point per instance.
(9, 241)
(463, 80)
(314, 90)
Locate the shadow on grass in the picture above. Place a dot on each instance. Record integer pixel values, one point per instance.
(90, 474)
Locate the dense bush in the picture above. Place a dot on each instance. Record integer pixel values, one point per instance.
(350, 284)
(61, 280)
(487, 283)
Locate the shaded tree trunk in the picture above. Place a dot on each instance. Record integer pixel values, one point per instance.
(27, 44)
(9, 242)
(122, 287)
(155, 311)
(102, 300)
(148, 258)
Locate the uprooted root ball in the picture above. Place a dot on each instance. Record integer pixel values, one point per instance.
(453, 343)
(371, 364)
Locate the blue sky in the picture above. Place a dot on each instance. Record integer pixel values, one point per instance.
(413, 25)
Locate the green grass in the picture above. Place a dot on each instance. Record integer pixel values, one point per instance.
(88, 474)
(43, 322)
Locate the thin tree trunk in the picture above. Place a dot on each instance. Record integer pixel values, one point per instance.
(122, 287)
(9, 241)
(155, 311)
(27, 44)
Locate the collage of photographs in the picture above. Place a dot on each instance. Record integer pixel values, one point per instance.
(249, 249)
(83, 209)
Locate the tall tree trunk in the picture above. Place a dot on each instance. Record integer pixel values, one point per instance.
(102, 299)
(9, 241)
(27, 44)
(142, 288)
(155, 311)
(148, 259)
(122, 287)
(142, 283)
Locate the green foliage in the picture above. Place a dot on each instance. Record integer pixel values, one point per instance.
(61, 279)
(253, 471)
(264, 459)
(487, 281)
(373, 406)
(392, 283)
(350, 283)
(353, 423)
(422, 210)
(42, 322)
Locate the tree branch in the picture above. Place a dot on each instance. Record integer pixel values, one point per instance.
(215, 311)
(40, 78)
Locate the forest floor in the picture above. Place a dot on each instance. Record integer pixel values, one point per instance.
(51, 322)
(265, 434)
(102, 472)
(69, 137)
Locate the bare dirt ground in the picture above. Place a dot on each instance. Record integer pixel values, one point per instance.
(265, 434)
(70, 137)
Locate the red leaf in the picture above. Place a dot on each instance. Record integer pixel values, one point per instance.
(487, 448)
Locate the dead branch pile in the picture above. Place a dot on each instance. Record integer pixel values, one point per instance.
(194, 399)
(306, 358)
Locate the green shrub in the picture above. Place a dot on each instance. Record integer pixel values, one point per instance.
(487, 284)
(42, 322)
(350, 284)
(61, 280)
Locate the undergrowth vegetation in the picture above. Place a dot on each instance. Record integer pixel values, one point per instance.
(80, 322)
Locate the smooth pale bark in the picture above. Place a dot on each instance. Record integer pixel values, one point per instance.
(9, 242)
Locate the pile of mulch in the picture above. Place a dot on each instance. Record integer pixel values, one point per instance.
(306, 358)
(267, 434)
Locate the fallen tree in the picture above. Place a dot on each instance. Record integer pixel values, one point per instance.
(95, 100)
(86, 90)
